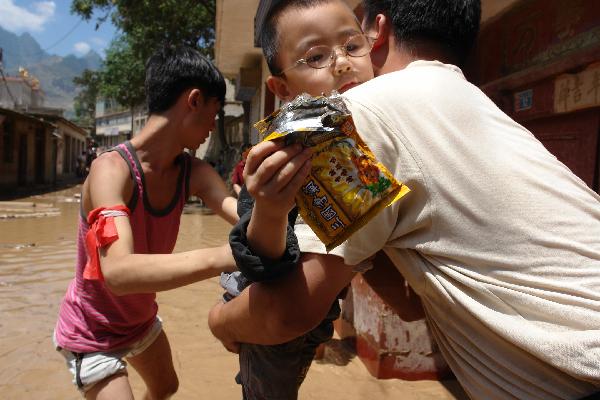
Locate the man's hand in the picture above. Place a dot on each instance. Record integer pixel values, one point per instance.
(273, 175)
(209, 186)
(216, 327)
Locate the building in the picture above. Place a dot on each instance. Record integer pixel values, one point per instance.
(24, 93)
(540, 62)
(239, 60)
(72, 142)
(113, 123)
(28, 151)
(224, 146)
(21, 92)
(37, 149)
(38, 146)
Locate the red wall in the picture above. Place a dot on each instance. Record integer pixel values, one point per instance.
(520, 55)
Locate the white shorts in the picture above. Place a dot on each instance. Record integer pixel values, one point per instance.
(90, 368)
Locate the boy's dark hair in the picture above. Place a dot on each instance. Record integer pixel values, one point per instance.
(269, 36)
(172, 70)
(452, 24)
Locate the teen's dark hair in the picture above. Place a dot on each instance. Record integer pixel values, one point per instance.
(269, 36)
(452, 24)
(172, 70)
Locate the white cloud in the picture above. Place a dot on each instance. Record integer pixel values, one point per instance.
(45, 8)
(18, 19)
(82, 48)
(98, 41)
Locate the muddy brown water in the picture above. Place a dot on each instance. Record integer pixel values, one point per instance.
(36, 264)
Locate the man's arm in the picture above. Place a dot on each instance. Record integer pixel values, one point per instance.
(207, 184)
(108, 184)
(269, 314)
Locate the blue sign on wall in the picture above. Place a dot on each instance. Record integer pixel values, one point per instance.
(524, 100)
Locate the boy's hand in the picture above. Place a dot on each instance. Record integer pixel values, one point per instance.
(273, 175)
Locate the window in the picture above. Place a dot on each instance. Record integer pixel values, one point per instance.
(8, 141)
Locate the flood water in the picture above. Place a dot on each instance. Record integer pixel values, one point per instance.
(36, 264)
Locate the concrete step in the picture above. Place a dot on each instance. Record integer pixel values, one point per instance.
(387, 321)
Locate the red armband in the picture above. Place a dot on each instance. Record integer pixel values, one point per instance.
(102, 232)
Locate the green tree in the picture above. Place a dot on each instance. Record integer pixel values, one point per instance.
(145, 25)
(85, 101)
(121, 77)
(149, 23)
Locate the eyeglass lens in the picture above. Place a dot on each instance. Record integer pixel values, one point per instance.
(322, 56)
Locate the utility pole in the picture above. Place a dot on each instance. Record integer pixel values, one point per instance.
(4, 78)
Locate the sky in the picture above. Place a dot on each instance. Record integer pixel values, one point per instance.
(57, 31)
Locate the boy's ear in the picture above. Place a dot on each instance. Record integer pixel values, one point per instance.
(279, 87)
(194, 98)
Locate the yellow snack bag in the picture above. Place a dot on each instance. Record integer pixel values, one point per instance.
(347, 186)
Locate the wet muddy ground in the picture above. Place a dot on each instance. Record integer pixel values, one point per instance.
(37, 253)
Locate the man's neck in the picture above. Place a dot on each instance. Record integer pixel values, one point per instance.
(156, 143)
(397, 57)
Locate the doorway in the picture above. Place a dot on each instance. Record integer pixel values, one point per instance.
(22, 165)
(39, 155)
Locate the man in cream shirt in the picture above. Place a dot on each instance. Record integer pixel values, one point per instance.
(500, 239)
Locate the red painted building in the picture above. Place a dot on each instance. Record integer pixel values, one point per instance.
(540, 62)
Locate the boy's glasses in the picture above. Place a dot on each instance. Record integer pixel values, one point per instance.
(324, 56)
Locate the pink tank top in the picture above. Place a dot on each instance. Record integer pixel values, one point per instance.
(91, 318)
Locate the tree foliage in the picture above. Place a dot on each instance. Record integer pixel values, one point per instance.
(145, 25)
(85, 101)
(149, 23)
(122, 75)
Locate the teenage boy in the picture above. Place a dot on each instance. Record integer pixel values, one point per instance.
(324, 49)
(498, 237)
(133, 199)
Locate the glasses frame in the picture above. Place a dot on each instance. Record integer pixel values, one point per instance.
(334, 55)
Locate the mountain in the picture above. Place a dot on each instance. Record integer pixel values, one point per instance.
(54, 73)
(19, 50)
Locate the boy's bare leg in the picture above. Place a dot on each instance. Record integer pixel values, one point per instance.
(115, 387)
(155, 366)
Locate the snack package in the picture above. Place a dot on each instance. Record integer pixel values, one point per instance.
(347, 186)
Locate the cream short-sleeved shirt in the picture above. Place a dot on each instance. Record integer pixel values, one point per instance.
(500, 239)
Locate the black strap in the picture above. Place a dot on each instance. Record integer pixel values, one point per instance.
(594, 396)
(78, 362)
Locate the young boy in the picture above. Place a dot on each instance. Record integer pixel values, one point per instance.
(133, 199)
(314, 47)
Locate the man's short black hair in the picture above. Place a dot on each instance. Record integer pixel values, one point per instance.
(451, 24)
(174, 69)
(269, 36)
